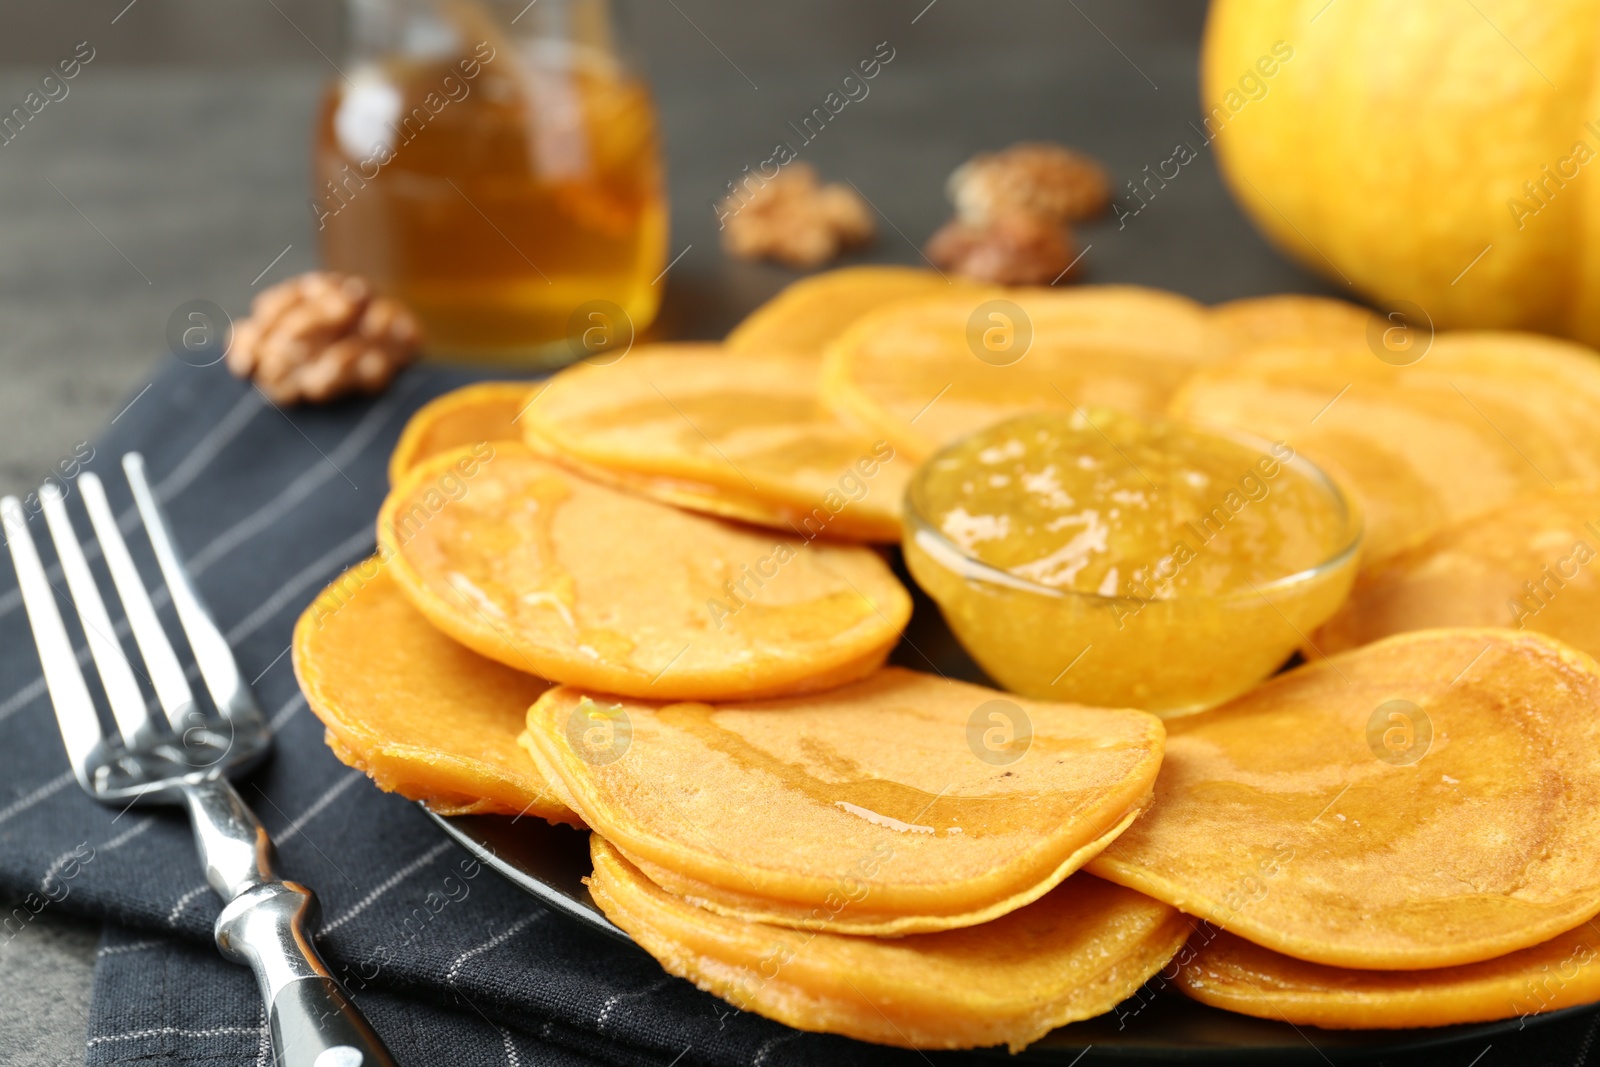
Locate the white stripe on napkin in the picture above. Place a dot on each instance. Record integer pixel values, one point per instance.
(498, 939)
(389, 883)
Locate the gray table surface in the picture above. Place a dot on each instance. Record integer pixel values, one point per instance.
(149, 186)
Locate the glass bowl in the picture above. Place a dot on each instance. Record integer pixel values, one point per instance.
(1170, 655)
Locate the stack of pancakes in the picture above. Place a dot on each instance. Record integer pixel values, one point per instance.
(645, 598)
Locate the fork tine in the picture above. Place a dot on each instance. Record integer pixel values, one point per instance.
(217, 665)
(75, 714)
(116, 673)
(166, 673)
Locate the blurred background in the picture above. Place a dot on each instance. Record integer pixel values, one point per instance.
(178, 166)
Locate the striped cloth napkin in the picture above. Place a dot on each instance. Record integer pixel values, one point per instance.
(453, 965)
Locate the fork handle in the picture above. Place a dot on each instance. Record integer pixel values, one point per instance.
(313, 1022)
(265, 926)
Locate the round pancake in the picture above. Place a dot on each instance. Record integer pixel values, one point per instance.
(861, 917)
(912, 371)
(809, 313)
(1429, 800)
(1075, 954)
(1230, 972)
(421, 715)
(1525, 564)
(1479, 418)
(1263, 320)
(750, 428)
(682, 493)
(485, 411)
(545, 571)
(905, 785)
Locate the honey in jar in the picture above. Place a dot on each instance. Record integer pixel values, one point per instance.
(504, 181)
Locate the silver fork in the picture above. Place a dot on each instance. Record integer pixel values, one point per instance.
(184, 758)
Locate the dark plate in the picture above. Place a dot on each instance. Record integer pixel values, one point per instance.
(1154, 1026)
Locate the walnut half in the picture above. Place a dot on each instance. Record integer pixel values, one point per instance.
(795, 219)
(320, 336)
(1016, 249)
(1034, 178)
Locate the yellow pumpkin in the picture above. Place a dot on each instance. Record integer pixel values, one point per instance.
(1442, 154)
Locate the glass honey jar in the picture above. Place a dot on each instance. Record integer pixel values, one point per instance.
(497, 167)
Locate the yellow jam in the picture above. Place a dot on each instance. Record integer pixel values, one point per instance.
(1119, 561)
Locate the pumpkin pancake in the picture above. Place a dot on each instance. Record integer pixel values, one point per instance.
(1076, 953)
(421, 715)
(545, 571)
(1230, 972)
(1262, 320)
(751, 430)
(1480, 418)
(925, 372)
(682, 493)
(859, 917)
(486, 411)
(1525, 564)
(811, 312)
(917, 802)
(1428, 800)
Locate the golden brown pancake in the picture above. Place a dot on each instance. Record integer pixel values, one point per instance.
(419, 714)
(927, 371)
(1480, 418)
(1230, 972)
(1074, 954)
(1528, 563)
(545, 571)
(485, 411)
(1429, 800)
(1264, 320)
(811, 312)
(685, 493)
(750, 430)
(901, 803)
(859, 916)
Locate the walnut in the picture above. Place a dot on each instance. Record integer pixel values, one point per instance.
(1031, 177)
(320, 336)
(1013, 249)
(795, 220)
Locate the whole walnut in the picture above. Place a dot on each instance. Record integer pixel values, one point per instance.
(1030, 178)
(1010, 249)
(322, 335)
(795, 219)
